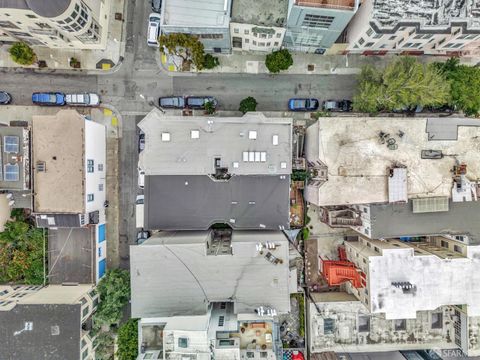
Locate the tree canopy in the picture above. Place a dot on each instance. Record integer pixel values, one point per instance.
(248, 104)
(210, 61)
(403, 84)
(22, 54)
(464, 85)
(279, 60)
(187, 46)
(114, 291)
(21, 253)
(128, 340)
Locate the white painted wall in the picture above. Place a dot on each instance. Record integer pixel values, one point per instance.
(95, 149)
(250, 42)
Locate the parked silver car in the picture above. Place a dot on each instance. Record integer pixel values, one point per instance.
(82, 99)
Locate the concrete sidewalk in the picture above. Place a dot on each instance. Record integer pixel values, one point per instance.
(303, 64)
(91, 60)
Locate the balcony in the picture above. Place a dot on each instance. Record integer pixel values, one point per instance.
(328, 4)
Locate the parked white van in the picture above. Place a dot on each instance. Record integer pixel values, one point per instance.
(153, 30)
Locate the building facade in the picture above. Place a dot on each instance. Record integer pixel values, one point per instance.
(69, 24)
(315, 25)
(207, 19)
(258, 25)
(415, 28)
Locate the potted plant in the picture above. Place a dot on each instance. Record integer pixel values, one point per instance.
(74, 63)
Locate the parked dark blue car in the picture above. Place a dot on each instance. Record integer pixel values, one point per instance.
(303, 104)
(49, 98)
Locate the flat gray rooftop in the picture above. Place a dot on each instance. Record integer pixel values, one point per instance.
(171, 274)
(394, 220)
(260, 12)
(196, 202)
(196, 13)
(430, 12)
(71, 255)
(55, 333)
(248, 145)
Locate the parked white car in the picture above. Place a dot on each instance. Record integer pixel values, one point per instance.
(153, 30)
(84, 99)
(139, 209)
(141, 178)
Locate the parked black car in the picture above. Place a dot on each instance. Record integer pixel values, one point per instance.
(141, 141)
(157, 6)
(198, 102)
(337, 105)
(5, 98)
(172, 102)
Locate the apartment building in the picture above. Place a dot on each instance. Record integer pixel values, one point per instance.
(69, 24)
(203, 171)
(258, 25)
(186, 314)
(51, 322)
(415, 28)
(69, 176)
(207, 19)
(315, 25)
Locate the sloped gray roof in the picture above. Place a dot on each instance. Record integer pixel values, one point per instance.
(41, 342)
(196, 202)
(172, 275)
(394, 220)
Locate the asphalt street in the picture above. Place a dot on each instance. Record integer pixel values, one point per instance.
(139, 80)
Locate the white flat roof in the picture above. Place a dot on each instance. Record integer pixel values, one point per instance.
(437, 282)
(358, 162)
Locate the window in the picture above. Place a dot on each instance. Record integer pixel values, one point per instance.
(328, 326)
(400, 324)
(236, 31)
(100, 187)
(393, 37)
(370, 32)
(268, 44)
(90, 166)
(369, 44)
(376, 249)
(437, 320)
(457, 249)
(254, 42)
(85, 311)
(317, 21)
(90, 197)
(183, 342)
(247, 41)
(99, 252)
(100, 167)
(8, 24)
(275, 43)
(363, 323)
(246, 31)
(361, 41)
(85, 354)
(221, 320)
(223, 305)
(278, 35)
(444, 244)
(31, 16)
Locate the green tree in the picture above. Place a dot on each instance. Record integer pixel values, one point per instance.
(128, 340)
(464, 85)
(210, 107)
(21, 253)
(279, 60)
(186, 46)
(404, 84)
(248, 104)
(210, 61)
(22, 54)
(104, 344)
(114, 291)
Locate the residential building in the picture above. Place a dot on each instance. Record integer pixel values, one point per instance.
(15, 158)
(69, 158)
(251, 266)
(382, 160)
(415, 28)
(258, 25)
(69, 24)
(219, 334)
(203, 171)
(51, 322)
(315, 25)
(207, 19)
(430, 278)
(184, 313)
(339, 322)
